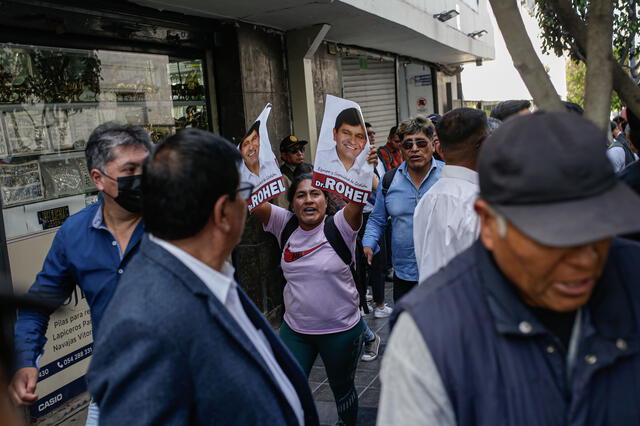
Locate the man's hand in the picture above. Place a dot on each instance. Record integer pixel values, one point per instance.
(368, 252)
(23, 386)
(372, 158)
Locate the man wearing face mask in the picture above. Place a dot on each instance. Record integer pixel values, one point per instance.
(110, 229)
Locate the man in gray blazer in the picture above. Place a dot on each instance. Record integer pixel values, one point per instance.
(183, 344)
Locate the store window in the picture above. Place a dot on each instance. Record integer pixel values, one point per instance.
(50, 101)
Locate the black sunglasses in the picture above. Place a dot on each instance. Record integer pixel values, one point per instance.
(245, 189)
(420, 143)
(294, 150)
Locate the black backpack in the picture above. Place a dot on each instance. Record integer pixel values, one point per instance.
(387, 179)
(333, 237)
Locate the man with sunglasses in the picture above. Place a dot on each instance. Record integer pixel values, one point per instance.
(411, 180)
(445, 223)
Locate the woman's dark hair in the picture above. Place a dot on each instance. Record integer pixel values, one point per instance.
(294, 187)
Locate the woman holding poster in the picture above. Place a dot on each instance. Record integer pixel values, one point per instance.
(321, 300)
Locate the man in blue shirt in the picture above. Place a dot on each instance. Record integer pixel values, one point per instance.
(410, 181)
(91, 249)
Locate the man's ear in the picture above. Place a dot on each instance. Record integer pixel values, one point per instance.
(335, 134)
(221, 214)
(98, 179)
(487, 224)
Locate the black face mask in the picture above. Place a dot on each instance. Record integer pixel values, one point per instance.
(130, 193)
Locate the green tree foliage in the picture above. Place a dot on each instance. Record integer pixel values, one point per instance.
(576, 74)
(556, 39)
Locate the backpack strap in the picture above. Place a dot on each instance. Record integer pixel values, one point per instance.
(288, 229)
(385, 149)
(387, 179)
(337, 243)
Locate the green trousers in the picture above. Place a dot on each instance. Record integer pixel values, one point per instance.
(340, 353)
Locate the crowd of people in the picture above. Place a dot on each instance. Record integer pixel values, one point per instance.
(509, 241)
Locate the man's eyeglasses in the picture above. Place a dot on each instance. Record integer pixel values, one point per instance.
(295, 149)
(245, 190)
(421, 143)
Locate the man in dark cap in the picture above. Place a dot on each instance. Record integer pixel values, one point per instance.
(293, 165)
(538, 322)
(507, 109)
(292, 154)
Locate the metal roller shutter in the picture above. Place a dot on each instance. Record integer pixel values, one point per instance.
(374, 89)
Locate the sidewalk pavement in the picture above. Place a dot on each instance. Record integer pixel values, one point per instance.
(367, 378)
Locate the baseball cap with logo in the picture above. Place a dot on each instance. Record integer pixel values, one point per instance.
(290, 141)
(549, 175)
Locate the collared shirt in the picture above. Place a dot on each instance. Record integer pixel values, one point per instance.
(399, 203)
(224, 288)
(83, 252)
(445, 223)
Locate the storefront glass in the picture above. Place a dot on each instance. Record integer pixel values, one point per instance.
(51, 99)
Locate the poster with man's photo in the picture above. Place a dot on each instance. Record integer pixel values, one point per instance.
(259, 166)
(341, 163)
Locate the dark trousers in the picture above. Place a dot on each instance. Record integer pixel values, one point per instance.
(373, 274)
(401, 287)
(387, 240)
(376, 273)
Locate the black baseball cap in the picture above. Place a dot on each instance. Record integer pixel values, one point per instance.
(290, 141)
(549, 175)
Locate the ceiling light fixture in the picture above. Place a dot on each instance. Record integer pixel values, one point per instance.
(477, 34)
(445, 16)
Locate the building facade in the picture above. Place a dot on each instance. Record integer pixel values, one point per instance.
(67, 66)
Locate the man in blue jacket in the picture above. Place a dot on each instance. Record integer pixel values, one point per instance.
(184, 344)
(397, 197)
(110, 231)
(537, 323)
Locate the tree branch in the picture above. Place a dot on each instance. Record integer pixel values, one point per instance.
(524, 56)
(624, 86)
(599, 79)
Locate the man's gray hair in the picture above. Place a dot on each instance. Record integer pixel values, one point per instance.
(105, 137)
(417, 124)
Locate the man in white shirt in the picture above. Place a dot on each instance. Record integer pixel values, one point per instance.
(184, 344)
(444, 222)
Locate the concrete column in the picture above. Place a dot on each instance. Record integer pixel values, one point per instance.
(301, 47)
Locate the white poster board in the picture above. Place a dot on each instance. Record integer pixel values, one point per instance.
(259, 166)
(341, 163)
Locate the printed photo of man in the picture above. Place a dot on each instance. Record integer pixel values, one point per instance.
(341, 153)
(350, 136)
(259, 166)
(250, 148)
